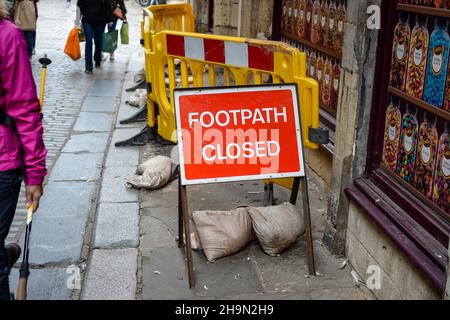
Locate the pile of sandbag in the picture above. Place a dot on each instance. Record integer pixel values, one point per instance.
(223, 233)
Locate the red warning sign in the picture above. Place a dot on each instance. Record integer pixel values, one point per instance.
(239, 133)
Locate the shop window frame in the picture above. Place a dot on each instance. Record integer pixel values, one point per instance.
(421, 232)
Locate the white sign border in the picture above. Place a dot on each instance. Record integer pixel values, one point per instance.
(178, 93)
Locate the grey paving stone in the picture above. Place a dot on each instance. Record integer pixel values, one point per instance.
(290, 270)
(44, 284)
(105, 88)
(166, 216)
(122, 156)
(166, 197)
(99, 104)
(66, 199)
(87, 142)
(338, 294)
(125, 112)
(117, 225)
(59, 225)
(111, 275)
(156, 234)
(94, 122)
(165, 269)
(57, 240)
(114, 189)
(77, 167)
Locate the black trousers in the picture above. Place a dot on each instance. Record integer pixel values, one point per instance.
(10, 182)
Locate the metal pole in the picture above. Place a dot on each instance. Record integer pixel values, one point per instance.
(309, 236)
(180, 215)
(187, 232)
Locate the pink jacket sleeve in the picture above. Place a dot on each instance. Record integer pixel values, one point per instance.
(22, 104)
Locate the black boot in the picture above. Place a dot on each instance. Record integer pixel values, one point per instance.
(13, 252)
(4, 285)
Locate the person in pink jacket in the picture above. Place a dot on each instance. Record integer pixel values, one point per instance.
(22, 150)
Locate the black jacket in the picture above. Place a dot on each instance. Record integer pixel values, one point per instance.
(96, 12)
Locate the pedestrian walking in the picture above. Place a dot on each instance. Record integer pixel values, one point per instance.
(25, 17)
(94, 14)
(119, 11)
(22, 147)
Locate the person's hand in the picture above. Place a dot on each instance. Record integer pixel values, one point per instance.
(34, 194)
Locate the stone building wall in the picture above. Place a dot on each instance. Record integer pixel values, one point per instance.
(246, 18)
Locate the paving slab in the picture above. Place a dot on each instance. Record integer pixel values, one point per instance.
(99, 104)
(114, 189)
(122, 156)
(105, 88)
(94, 122)
(77, 167)
(156, 234)
(165, 269)
(290, 271)
(59, 225)
(117, 225)
(44, 284)
(66, 199)
(57, 240)
(125, 112)
(338, 294)
(167, 222)
(94, 142)
(166, 197)
(111, 275)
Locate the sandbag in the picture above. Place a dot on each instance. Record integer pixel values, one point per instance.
(152, 174)
(195, 240)
(138, 99)
(277, 227)
(223, 233)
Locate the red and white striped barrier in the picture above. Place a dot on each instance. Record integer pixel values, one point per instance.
(239, 54)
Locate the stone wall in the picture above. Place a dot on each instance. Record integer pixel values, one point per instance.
(355, 102)
(249, 18)
(226, 17)
(367, 245)
(201, 15)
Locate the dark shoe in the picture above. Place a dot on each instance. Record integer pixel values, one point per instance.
(13, 252)
(98, 64)
(88, 71)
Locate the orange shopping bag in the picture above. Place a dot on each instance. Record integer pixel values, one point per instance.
(72, 48)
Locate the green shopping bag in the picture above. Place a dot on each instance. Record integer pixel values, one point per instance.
(110, 41)
(124, 35)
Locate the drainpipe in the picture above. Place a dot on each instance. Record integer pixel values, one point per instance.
(239, 31)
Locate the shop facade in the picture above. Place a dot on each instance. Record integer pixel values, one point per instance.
(385, 98)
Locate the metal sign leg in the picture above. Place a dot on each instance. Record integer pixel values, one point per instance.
(180, 216)
(307, 216)
(187, 232)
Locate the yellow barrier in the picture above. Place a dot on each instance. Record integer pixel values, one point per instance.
(169, 40)
(177, 17)
(242, 61)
